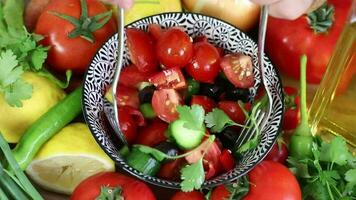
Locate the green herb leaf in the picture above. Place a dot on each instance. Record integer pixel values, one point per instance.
(335, 152)
(250, 144)
(9, 71)
(217, 121)
(299, 167)
(38, 57)
(157, 154)
(350, 177)
(193, 116)
(316, 191)
(13, 13)
(18, 91)
(193, 176)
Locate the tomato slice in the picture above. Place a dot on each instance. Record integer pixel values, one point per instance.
(130, 76)
(174, 48)
(220, 193)
(207, 103)
(227, 160)
(127, 96)
(171, 169)
(171, 78)
(164, 103)
(155, 30)
(129, 118)
(142, 50)
(233, 110)
(153, 134)
(204, 65)
(238, 69)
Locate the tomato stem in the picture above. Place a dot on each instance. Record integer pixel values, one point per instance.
(321, 20)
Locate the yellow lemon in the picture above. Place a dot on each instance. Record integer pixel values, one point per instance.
(144, 8)
(15, 120)
(69, 157)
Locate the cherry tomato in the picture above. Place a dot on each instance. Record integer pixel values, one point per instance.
(238, 69)
(233, 110)
(153, 133)
(278, 153)
(297, 37)
(171, 169)
(164, 103)
(220, 193)
(194, 195)
(174, 48)
(171, 78)
(129, 119)
(155, 30)
(204, 65)
(212, 165)
(130, 76)
(142, 50)
(127, 96)
(132, 189)
(227, 160)
(207, 103)
(270, 181)
(200, 38)
(71, 53)
(292, 112)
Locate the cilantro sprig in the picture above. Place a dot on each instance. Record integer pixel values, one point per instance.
(19, 53)
(192, 116)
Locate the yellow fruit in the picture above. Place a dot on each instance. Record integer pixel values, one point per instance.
(144, 8)
(69, 157)
(14, 121)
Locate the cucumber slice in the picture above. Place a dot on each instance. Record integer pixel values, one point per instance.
(185, 138)
(143, 162)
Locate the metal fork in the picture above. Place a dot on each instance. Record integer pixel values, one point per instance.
(111, 112)
(264, 112)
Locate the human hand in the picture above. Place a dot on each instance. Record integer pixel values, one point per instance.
(287, 9)
(125, 4)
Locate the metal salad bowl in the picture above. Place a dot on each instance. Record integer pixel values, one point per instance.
(101, 72)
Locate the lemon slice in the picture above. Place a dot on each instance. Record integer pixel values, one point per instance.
(69, 157)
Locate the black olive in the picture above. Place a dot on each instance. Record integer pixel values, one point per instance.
(237, 94)
(168, 148)
(145, 95)
(228, 137)
(213, 91)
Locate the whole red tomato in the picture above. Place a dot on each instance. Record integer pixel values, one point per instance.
(270, 181)
(72, 53)
(287, 40)
(131, 189)
(194, 195)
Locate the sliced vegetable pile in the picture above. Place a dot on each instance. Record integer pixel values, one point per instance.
(174, 94)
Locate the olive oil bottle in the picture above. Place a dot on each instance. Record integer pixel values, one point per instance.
(333, 109)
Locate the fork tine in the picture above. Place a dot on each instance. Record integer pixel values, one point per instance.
(243, 132)
(249, 133)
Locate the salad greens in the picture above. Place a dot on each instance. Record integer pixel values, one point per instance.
(19, 52)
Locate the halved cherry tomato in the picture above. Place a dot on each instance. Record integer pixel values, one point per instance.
(142, 50)
(227, 160)
(171, 169)
(129, 119)
(152, 134)
(220, 193)
(207, 103)
(171, 78)
(127, 96)
(292, 112)
(278, 153)
(233, 110)
(238, 69)
(204, 65)
(130, 76)
(164, 103)
(155, 30)
(194, 195)
(174, 48)
(212, 165)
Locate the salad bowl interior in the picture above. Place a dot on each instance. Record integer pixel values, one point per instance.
(101, 71)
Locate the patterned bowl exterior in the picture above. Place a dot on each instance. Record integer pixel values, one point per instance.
(100, 75)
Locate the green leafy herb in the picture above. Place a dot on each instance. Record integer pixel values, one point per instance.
(11, 85)
(193, 176)
(157, 154)
(335, 152)
(193, 116)
(217, 121)
(350, 178)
